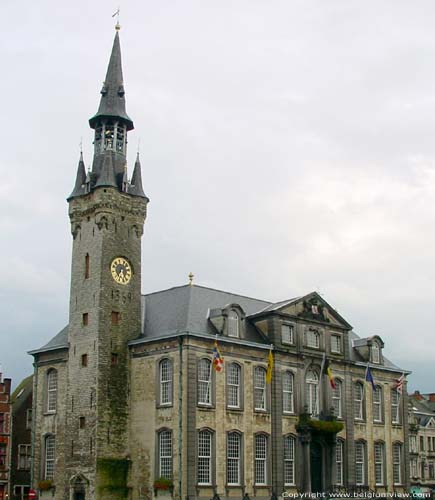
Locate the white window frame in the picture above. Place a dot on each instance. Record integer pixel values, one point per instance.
(165, 450)
(288, 384)
(49, 456)
(260, 459)
(375, 351)
(24, 453)
(337, 398)
(360, 463)
(289, 460)
(397, 464)
(336, 349)
(165, 379)
(312, 392)
(395, 407)
(339, 454)
(234, 456)
(288, 333)
(358, 401)
(204, 383)
(312, 339)
(260, 395)
(52, 379)
(234, 378)
(379, 457)
(377, 404)
(205, 449)
(233, 326)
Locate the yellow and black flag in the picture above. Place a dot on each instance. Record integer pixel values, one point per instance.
(328, 371)
(269, 367)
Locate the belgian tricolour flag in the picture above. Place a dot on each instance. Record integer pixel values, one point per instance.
(328, 371)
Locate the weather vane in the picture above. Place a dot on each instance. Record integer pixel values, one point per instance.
(191, 276)
(117, 26)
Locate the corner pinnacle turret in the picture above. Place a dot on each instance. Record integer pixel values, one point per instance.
(111, 124)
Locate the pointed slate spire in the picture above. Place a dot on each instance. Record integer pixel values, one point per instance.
(112, 103)
(107, 174)
(79, 187)
(136, 188)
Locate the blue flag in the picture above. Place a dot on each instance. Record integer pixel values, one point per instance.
(369, 377)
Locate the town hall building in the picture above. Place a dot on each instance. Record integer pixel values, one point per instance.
(127, 402)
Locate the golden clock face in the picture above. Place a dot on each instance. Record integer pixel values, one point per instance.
(121, 270)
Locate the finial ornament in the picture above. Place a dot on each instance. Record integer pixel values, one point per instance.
(191, 276)
(117, 25)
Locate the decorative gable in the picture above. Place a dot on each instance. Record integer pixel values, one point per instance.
(314, 308)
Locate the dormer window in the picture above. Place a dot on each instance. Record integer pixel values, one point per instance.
(233, 324)
(376, 353)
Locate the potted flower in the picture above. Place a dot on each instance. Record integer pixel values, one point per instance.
(45, 484)
(163, 485)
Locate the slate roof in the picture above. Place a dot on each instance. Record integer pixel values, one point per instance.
(185, 309)
(112, 103)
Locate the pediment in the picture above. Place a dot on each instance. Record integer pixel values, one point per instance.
(430, 423)
(314, 307)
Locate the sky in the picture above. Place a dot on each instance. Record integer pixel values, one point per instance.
(286, 147)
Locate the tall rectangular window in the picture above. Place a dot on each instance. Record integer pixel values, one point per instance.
(204, 457)
(204, 382)
(233, 458)
(287, 392)
(360, 474)
(289, 460)
(165, 371)
(312, 339)
(379, 464)
(339, 448)
(50, 450)
(337, 399)
(24, 456)
(233, 385)
(87, 266)
(395, 406)
(336, 344)
(85, 319)
(397, 463)
(115, 318)
(287, 333)
(413, 444)
(358, 401)
(2, 423)
(377, 404)
(259, 388)
(51, 391)
(260, 466)
(165, 454)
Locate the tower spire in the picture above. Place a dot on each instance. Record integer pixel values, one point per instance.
(136, 188)
(112, 102)
(79, 187)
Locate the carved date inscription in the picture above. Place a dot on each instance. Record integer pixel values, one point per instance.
(121, 297)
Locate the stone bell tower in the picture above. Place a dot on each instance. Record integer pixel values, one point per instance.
(107, 213)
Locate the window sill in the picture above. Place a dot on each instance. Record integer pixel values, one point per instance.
(201, 406)
(47, 413)
(165, 405)
(261, 412)
(235, 409)
(289, 414)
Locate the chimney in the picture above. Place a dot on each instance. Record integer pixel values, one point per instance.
(417, 396)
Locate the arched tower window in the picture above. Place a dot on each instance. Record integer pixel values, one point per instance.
(51, 391)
